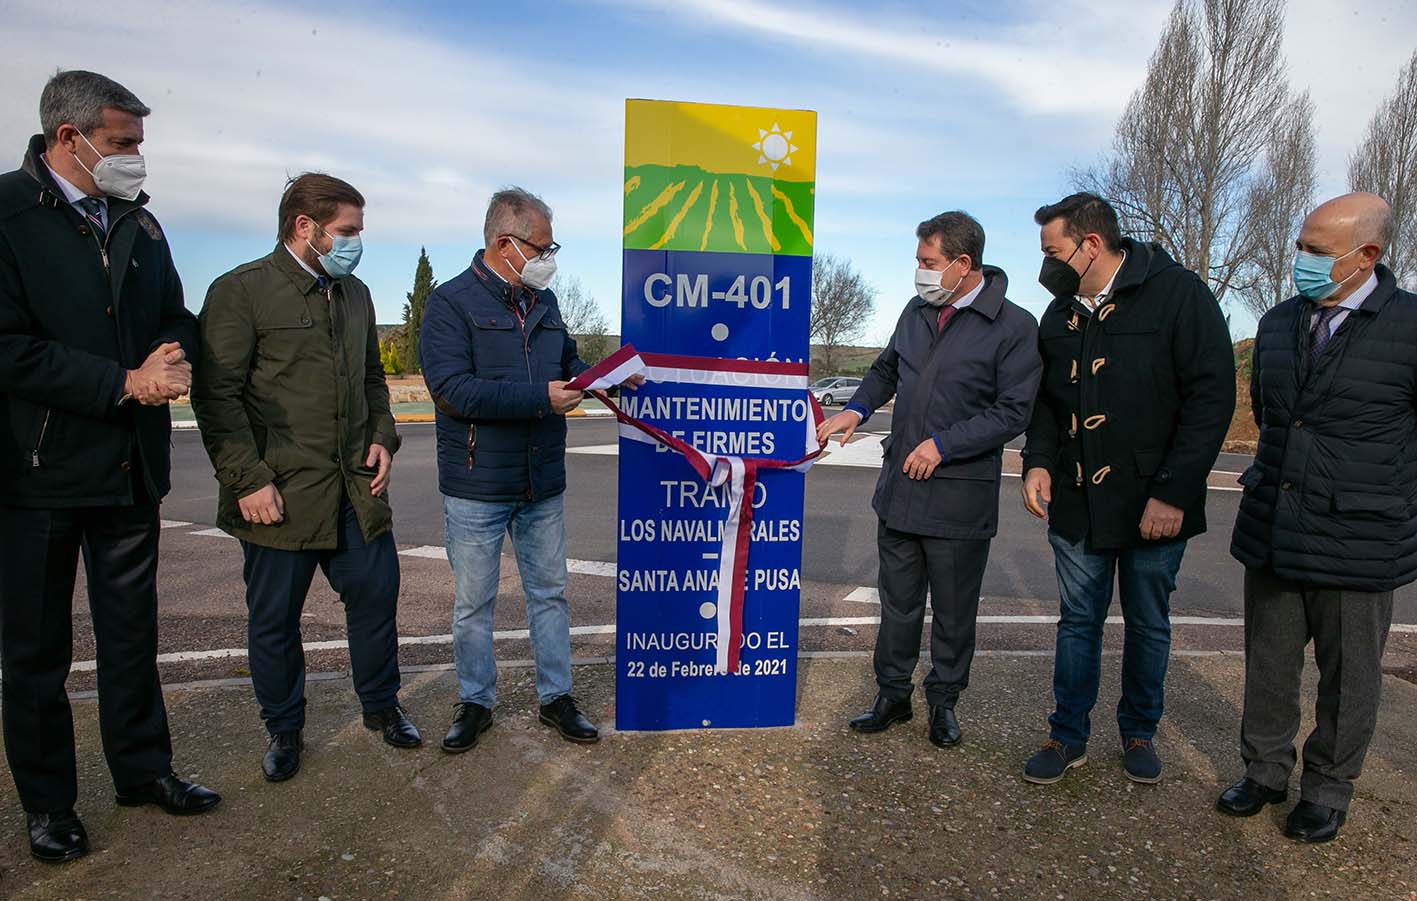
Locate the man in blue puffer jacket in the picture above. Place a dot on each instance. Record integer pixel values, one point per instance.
(496, 356)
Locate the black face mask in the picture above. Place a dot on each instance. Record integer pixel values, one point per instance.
(1060, 279)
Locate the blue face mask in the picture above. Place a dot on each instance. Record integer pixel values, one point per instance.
(1313, 274)
(345, 251)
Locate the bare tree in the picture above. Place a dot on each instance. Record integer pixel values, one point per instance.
(1279, 198)
(842, 303)
(1185, 148)
(584, 320)
(1385, 163)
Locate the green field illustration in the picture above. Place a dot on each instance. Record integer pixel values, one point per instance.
(686, 208)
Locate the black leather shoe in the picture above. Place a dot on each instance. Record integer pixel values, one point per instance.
(469, 721)
(397, 729)
(57, 837)
(1247, 798)
(565, 717)
(883, 714)
(282, 758)
(944, 728)
(1313, 823)
(176, 796)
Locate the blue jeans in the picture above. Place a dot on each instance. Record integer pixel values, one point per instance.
(1146, 576)
(473, 533)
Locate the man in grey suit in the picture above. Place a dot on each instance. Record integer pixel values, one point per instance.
(963, 366)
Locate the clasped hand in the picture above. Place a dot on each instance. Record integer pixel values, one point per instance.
(164, 376)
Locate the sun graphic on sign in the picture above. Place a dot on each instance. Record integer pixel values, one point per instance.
(775, 147)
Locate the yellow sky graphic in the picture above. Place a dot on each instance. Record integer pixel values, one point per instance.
(724, 140)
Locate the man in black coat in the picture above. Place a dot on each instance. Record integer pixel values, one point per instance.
(1138, 392)
(963, 366)
(94, 339)
(1328, 522)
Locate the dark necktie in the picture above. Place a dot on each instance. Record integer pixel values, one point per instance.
(93, 212)
(321, 283)
(1322, 332)
(945, 314)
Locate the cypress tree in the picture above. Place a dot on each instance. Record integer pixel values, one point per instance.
(423, 285)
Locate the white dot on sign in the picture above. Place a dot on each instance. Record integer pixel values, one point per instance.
(719, 332)
(775, 147)
(707, 610)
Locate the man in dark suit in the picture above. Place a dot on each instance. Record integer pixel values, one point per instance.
(94, 342)
(963, 367)
(1327, 527)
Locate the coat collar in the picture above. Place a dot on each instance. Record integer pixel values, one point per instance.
(282, 260)
(504, 292)
(1135, 267)
(1384, 292)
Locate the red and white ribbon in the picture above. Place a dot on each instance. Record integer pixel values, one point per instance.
(739, 474)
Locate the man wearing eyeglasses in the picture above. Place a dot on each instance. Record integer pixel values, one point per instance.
(496, 356)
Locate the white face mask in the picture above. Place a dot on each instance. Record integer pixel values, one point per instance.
(927, 285)
(118, 175)
(538, 271)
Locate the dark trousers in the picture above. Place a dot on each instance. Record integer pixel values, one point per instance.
(953, 570)
(39, 555)
(1145, 577)
(1349, 630)
(366, 577)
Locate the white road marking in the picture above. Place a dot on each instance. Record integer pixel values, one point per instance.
(863, 595)
(591, 568)
(173, 524)
(207, 684)
(212, 533)
(85, 666)
(580, 567)
(863, 452)
(427, 551)
(1038, 620)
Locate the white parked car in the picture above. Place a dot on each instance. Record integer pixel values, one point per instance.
(834, 390)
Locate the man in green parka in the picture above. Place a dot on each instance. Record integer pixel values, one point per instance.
(294, 411)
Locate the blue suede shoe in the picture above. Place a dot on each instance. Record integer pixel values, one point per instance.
(1052, 761)
(1140, 761)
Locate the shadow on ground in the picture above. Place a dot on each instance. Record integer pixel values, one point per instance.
(807, 812)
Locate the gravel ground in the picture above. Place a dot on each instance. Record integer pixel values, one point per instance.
(807, 812)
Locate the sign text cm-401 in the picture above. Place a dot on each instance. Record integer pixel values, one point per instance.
(697, 289)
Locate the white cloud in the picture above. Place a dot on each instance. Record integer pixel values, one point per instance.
(917, 113)
(1078, 58)
(244, 95)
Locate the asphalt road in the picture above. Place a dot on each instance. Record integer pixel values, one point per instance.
(839, 543)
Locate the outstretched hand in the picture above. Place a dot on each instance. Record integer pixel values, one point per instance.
(844, 422)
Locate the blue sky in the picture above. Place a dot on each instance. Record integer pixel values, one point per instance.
(428, 107)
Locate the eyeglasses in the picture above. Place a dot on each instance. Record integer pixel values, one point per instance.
(545, 253)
